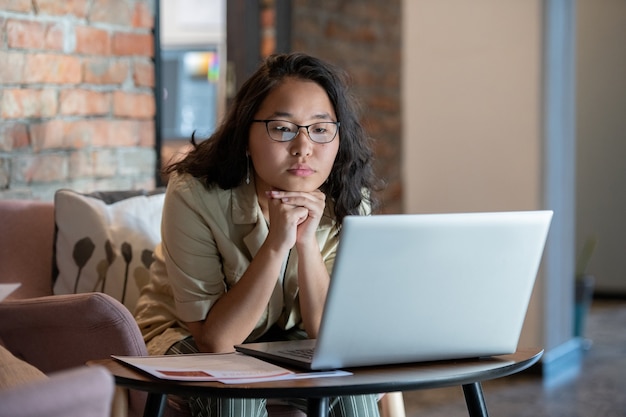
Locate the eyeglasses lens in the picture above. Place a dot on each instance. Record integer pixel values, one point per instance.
(283, 131)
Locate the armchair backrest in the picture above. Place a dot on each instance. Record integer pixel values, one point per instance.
(26, 246)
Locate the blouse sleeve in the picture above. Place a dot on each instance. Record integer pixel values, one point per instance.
(190, 252)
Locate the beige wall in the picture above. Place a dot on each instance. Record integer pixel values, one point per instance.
(472, 121)
(475, 135)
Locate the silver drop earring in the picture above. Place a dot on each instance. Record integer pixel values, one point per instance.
(247, 168)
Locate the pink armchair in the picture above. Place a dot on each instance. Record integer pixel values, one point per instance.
(56, 332)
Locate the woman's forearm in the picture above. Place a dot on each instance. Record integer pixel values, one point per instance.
(313, 280)
(235, 315)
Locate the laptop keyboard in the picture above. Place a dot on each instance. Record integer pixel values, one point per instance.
(301, 353)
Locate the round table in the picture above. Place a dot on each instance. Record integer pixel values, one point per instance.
(367, 380)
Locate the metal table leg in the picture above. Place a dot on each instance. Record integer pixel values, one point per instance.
(317, 407)
(155, 405)
(475, 400)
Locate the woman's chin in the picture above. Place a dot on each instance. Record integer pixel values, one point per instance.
(300, 186)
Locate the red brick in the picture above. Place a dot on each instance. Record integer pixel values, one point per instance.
(39, 168)
(133, 44)
(55, 35)
(52, 68)
(77, 8)
(133, 105)
(124, 133)
(102, 130)
(76, 134)
(47, 135)
(371, 76)
(13, 136)
(105, 162)
(92, 41)
(22, 6)
(11, 67)
(360, 34)
(92, 132)
(147, 133)
(23, 34)
(81, 164)
(268, 18)
(116, 12)
(84, 102)
(128, 133)
(136, 161)
(24, 103)
(381, 103)
(142, 16)
(143, 73)
(104, 71)
(21, 138)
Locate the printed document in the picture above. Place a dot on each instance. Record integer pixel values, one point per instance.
(228, 368)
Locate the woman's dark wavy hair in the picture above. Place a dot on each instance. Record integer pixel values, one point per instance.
(221, 159)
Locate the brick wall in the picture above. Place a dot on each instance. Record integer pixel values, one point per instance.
(363, 37)
(76, 77)
(76, 101)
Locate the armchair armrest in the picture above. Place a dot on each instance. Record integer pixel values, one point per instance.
(59, 332)
(91, 392)
(64, 331)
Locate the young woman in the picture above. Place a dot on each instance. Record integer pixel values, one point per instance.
(251, 222)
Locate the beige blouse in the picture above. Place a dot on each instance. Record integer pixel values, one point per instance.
(209, 237)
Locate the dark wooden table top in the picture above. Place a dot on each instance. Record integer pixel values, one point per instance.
(366, 380)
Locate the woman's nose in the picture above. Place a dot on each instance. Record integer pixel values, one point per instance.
(301, 144)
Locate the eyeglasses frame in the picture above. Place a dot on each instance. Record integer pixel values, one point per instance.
(306, 127)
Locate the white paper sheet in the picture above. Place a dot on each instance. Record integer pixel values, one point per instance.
(228, 368)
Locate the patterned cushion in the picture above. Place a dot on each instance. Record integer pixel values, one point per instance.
(104, 242)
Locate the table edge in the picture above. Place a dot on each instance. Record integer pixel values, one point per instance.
(279, 389)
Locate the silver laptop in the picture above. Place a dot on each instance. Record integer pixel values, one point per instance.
(411, 288)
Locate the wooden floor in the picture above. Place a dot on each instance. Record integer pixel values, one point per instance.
(599, 390)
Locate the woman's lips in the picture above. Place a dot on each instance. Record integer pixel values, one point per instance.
(301, 170)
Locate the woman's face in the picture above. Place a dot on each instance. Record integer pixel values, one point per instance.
(299, 164)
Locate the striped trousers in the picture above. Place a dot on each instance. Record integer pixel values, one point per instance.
(346, 406)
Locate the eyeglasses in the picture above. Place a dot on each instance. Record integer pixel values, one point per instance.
(284, 131)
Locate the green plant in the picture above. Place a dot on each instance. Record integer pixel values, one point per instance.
(584, 287)
(584, 257)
